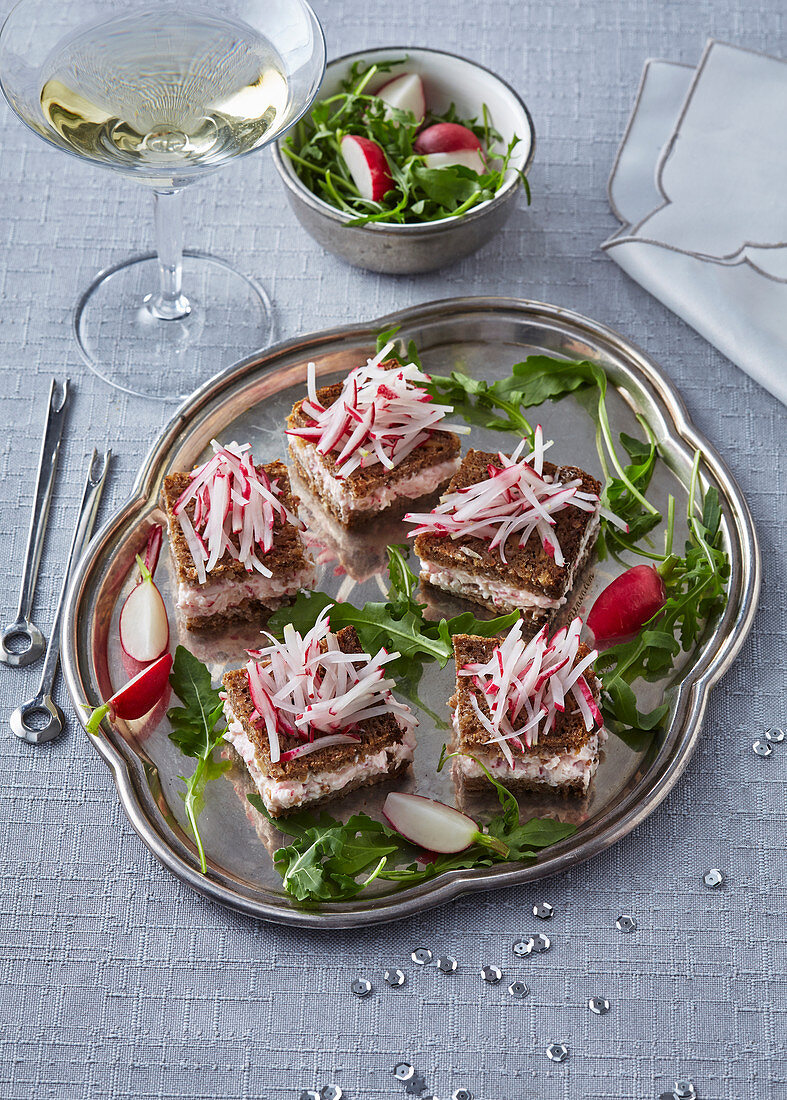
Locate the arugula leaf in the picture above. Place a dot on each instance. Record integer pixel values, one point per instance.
(194, 732)
(419, 193)
(324, 858)
(396, 624)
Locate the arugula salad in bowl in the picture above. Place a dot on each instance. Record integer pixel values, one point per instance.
(410, 160)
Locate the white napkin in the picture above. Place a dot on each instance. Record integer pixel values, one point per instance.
(700, 187)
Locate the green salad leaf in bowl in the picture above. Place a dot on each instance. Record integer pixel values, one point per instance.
(385, 156)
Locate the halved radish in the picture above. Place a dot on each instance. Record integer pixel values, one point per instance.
(625, 605)
(466, 158)
(446, 137)
(405, 93)
(138, 696)
(435, 826)
(368, 166)
(144, 627)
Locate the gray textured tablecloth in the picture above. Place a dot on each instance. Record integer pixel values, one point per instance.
(115, 980)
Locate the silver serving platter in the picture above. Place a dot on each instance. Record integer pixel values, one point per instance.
(484, 336)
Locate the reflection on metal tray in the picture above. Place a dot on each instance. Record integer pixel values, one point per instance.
(485, 337)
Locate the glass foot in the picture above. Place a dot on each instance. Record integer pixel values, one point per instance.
(227, 316)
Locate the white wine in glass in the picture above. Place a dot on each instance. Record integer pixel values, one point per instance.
(163, 94)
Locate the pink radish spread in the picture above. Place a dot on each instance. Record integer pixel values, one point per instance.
(410, 488)
(549, 771)
(212, 599)
(286, 794)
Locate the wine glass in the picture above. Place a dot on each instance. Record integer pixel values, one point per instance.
(163, 93)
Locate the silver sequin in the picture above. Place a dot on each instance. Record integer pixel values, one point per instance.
(763, 748)
(462, 1094)
(491, 974)
(309, 1094)
(543, 910)
(331, 1092)
(558, 1052)
(395, 977)
(447, 964)
(518, 990)
(775, 734)
(684, 1090)
(416, 1085)
(713, 878)
(537, 945)
(422, 955)
(599, 1005)
(403, 1071)
(520, 948)
(361, 987)
(626, 923)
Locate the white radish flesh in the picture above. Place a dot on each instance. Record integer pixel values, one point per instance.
(464, 158)
(405, 93)
(144, 627)
(368, 166)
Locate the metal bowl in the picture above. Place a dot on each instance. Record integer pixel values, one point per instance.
(407, 249)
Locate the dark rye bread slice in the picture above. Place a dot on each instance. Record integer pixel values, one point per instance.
(529, 567)
(568, 735)
(376, 733)
(363, 483)
(286, 556)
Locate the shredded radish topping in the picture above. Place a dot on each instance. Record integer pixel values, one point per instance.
(526, 685)
(516, 498)
(235, 509)
(308, 688)
(380, 416)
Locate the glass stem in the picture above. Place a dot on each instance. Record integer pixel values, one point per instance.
(170, 304)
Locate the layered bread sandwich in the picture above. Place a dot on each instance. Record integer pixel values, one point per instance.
(527, 710)
(313, 718)
(235, 539)
(512, 532)
(376, 441)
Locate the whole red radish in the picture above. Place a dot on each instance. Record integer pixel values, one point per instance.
(405, 93)
(136, 697)
(435, 826)
(625, 605)
(143, 626)
(368, 166)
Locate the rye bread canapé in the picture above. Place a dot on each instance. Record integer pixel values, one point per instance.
(511, 532)
(527, 710)
(235, 539)
(335, 726)
(372, 443)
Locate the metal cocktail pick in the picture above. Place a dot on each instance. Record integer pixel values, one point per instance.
(22, 642)
(40, 718)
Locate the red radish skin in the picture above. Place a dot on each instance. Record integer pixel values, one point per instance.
(152, 550)
(446, 137)
(138, 696)
(625, 605)
(368, 166)
(434, 826)
(144, 626)
(465, 158)
(405, 93)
